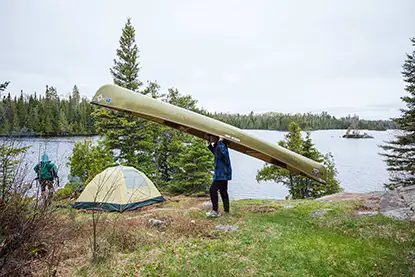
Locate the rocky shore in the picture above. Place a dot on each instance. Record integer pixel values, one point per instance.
(398, 204)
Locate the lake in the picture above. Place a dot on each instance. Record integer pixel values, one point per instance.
(360, 168)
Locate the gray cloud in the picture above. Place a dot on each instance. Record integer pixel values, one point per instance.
(232, 56)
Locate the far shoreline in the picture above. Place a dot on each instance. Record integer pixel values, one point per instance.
(93, 135)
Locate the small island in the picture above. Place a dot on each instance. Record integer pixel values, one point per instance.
(353, 130)
(356, 135)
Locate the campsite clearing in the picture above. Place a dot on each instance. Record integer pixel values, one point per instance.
(269, 241)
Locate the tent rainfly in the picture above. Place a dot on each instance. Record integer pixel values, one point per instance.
(118, 189)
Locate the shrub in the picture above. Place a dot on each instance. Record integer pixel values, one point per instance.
(28, 233)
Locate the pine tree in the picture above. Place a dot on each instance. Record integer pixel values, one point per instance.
(126, 67)
(194, 166)
(63, 123)
(301, 187)
(51, 93)
(33, 122)
(173, 143)
(16, 125)
(130, 135)
(400, 155)
(309, 150)
(3, 108)
(76, 96)
(21, 113)
(10, 155)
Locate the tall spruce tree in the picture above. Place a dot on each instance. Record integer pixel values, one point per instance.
(126, 66)
(400, 152)
(129, 136)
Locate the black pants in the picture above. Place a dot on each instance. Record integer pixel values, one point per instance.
(222, 186)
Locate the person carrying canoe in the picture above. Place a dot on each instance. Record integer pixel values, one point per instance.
(222, 174)
(46, 174)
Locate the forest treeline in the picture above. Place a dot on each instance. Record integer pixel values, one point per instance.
(51, 115)
(45, 115)
(306, 121)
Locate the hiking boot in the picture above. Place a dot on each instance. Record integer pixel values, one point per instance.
(226, 214)
(212, 214)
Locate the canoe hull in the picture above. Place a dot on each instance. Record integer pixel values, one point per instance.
(117, 98)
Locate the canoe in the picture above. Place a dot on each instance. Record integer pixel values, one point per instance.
(121, 99)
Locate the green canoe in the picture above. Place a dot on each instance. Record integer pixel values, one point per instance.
(117, 98)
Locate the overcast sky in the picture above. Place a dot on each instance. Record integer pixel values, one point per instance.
(232, 56)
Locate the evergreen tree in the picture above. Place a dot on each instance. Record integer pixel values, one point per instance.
(63, 123)
(194, 166)
(3, 108)
(126, 65)
(16, 125)
(301, 187)
(10, 156)
(172, 143)
(51, 93)
(132, 137)
(400, 155)
(76, 96)
(3, 86)
(309, 150)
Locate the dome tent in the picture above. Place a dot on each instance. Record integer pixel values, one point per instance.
(118, 189)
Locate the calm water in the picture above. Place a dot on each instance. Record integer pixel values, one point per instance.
(360, 167)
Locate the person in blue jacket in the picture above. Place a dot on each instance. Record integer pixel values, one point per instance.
(222, 174)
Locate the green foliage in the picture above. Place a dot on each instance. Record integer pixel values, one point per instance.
(67, 191)
(301, 187)
(193, 169)
(168, 146)
(87, 160)
(400, 152)
(171, 144)
(10, 156)
(36, 115)
(332, 185)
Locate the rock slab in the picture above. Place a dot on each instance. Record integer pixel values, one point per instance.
(399, 203)
(226, 228)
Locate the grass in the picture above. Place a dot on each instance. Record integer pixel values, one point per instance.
(270, 241)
